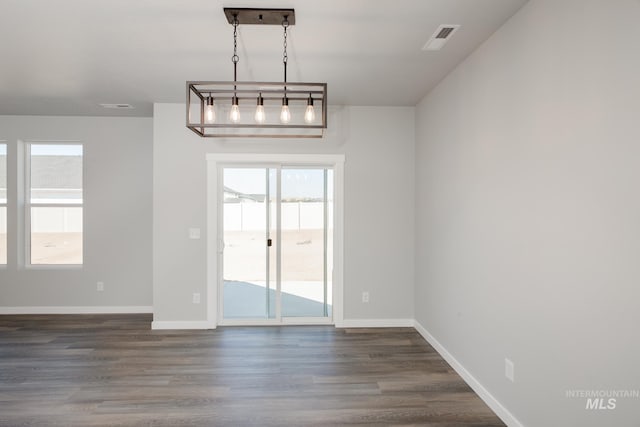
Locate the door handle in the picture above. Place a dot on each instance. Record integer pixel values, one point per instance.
(269, 243)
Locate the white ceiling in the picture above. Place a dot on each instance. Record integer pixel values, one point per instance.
(65, 57)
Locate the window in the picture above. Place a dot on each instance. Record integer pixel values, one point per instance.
(3, 202)
(54, 203)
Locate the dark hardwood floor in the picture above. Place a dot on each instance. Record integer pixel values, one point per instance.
(113, 370)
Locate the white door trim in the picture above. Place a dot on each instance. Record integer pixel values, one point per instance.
(214, 212)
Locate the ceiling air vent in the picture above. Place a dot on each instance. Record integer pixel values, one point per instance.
(440, 37)
(117, 106)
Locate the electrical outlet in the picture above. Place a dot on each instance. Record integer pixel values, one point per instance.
(509, 369)
(100, 286)
(196, 298)
(365, 296)
(194, 233)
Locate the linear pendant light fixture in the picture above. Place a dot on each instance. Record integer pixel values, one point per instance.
(257, 109)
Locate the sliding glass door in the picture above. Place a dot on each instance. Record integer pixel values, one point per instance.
(277, 227)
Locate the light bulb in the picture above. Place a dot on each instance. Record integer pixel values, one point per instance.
(285, 114)
(260, 115)
(309, 114)
(209, 111)
(234, 114)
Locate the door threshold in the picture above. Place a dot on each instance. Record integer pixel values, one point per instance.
(290, 321)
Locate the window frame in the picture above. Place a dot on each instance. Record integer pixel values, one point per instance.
(28, 205)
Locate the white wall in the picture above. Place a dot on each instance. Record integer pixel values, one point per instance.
(528, 210)
(117, 215)
(379, 146)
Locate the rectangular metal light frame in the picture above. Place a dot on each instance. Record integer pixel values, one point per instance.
(247, 93)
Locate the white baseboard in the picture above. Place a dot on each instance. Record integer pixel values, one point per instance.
(97, 309)
(182, 324)
(493, 403)
(375, 323)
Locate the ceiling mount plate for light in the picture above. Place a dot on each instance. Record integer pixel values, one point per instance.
(260, 16)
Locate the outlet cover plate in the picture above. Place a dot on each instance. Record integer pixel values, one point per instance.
(365, 296)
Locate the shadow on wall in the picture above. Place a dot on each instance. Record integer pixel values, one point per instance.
(244, 300)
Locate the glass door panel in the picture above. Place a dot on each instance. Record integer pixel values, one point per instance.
(246, 292)
(304, 242)
(272, 272)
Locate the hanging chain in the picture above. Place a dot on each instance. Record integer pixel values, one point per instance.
(285, 57)
(235, 58)
(285, 25)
